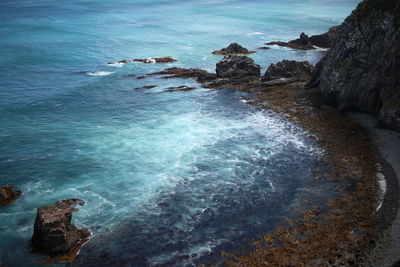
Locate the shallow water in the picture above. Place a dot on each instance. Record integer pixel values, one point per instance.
(168, 178)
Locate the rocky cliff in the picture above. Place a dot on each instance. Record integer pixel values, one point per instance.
(362, 70)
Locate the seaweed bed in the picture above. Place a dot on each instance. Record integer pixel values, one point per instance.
(329, 236)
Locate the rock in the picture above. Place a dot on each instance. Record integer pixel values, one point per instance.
(264, 47)
(201, 75)
(146, 87)
(237, 66)
(303, 40)
(128, 76)
(233, 49)
(53, 231)
(8, 194)
(288, 69)
(361, 70)
(182, 88)
(325, 40)
(291, 45)
(156, 60)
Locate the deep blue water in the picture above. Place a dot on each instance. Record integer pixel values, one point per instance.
(168, 178)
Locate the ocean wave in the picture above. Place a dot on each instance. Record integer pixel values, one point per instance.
(254, 33)
(98, 73)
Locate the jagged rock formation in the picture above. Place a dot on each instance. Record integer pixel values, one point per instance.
(237, 66)
(233, 49)
(362, 70)
(288, 69)
(53, 231)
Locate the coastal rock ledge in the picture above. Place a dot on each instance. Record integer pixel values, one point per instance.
(53, 231)
(362, 70)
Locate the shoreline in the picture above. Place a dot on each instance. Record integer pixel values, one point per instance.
(341, 234)
(384, 251)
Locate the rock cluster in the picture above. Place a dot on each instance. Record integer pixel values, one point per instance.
(233, 49)
(237, 66)
(361, 71)
(53, 231)
(288, 69)
(8, 194)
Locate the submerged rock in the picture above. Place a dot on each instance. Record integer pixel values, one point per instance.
(8, 194)
(233, 49)
(361, 71)
(156, 60)
(53, 231)
(237, 66)
(182, 88)
(146, 87)
(288, 69)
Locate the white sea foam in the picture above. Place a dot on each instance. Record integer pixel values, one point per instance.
(116, 64)
(382, 189)
(98, 73)
(254, 33)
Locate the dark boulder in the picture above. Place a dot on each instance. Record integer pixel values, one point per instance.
(53, 231)
(288, 69)
(233, 49)
(237, 66)
(182, 88)
(8, 194)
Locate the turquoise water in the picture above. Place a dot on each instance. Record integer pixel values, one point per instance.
(168, 178)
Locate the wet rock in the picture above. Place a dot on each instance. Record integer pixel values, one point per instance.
(264, 47)
(302, 40)
(201, 75)
(53, 231)
(156, 60)
(237, 66)
(128, 76)
(288, 69)
(182, 88)
(8, 194)
(325, 40)
(146, 87)
(233, 49)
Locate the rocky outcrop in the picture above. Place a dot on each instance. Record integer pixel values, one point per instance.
(182, 88)
(304, 42)
(325, 40)
(53, 231)
(361, 71)
(145, 60)
(8, 194)
(288, 69)
(237, 66)
(233, 49)
(170, 73)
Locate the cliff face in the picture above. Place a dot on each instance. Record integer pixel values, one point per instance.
(362, 70)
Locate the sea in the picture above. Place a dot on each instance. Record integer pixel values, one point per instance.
(168, 178)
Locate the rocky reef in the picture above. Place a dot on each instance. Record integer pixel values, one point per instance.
(54, 233)
(362, 70)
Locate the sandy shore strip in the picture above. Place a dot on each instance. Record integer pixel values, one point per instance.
(385, 251)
